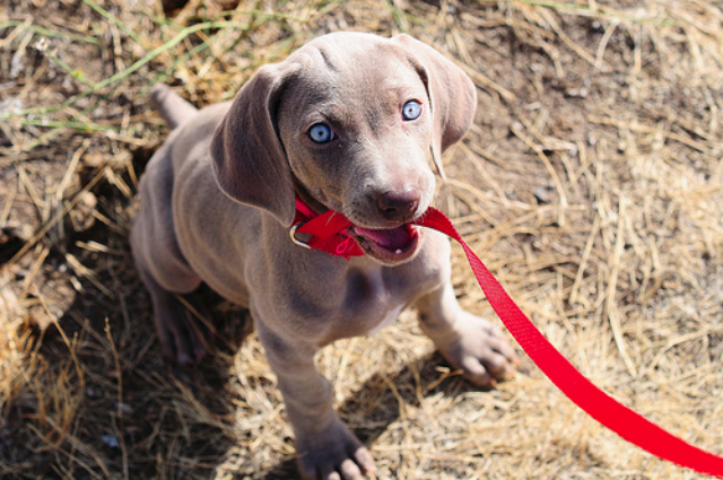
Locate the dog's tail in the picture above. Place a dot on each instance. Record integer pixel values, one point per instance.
(174, 109)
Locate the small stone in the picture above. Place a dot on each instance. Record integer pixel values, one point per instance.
(541, 194)
(111, 441)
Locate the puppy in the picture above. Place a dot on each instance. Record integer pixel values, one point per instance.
(350, 122)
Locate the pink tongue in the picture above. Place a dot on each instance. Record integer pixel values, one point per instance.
(392, 238)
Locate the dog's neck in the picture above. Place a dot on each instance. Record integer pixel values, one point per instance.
(307, 198)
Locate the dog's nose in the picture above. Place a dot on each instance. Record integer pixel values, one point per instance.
(398, 204)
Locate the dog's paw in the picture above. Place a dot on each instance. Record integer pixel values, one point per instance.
(480, 350)
(183, 335)
(334, 454)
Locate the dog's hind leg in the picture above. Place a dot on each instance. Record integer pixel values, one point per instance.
(180, 321)
(163, 268)
(179, 314)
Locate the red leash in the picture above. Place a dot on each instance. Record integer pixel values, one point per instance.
(327, 230)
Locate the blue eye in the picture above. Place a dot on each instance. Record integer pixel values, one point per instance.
(411, 110)
(321, 133)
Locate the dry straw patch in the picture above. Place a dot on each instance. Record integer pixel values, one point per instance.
(591, 184)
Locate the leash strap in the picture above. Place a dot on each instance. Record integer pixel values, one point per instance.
(609, 412)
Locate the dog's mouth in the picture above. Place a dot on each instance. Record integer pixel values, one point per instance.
(390, 245)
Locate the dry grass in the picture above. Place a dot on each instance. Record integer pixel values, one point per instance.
(591, 184)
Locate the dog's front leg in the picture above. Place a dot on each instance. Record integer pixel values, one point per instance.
(326, 449)
(469, 343)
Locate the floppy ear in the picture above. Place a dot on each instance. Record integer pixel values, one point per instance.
(452, 95)
(248, 158)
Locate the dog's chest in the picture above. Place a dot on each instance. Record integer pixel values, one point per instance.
(389, 317)
(374, 298)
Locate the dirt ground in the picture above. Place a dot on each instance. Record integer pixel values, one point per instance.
(591, 184)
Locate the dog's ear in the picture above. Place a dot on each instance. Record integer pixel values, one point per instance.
(248, 157)
(452, 94)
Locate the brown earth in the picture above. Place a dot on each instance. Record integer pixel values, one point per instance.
(591, 184)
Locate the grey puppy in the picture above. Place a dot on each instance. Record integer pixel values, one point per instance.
(349, 122)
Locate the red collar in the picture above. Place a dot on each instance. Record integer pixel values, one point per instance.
(327, 230)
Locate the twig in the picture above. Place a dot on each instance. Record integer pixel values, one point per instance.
(119, 376)
(636, 127)
(583, 260)
(604, 43)
(610, 305)
(485, 82)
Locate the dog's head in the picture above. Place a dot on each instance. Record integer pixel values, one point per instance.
(351, 122)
